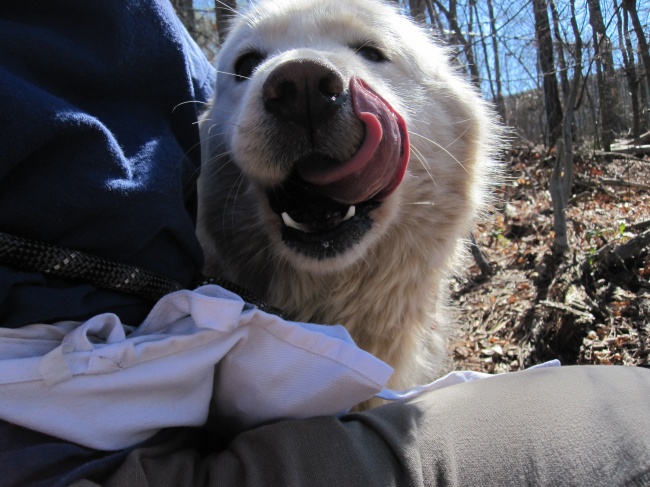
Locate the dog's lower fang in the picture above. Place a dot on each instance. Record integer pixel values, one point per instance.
(290, 222)
(351, 212)
(307, 228)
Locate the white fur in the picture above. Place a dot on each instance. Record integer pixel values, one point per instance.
(390, 289)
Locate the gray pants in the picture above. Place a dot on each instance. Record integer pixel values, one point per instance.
(586, 425)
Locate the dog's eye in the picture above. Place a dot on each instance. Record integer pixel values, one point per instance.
(371, 53)
(246, 64)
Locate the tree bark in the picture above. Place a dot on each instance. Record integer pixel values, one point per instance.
(418, 10)
(564, 75)
(644, 52)
(558, 199)
(452, 18)
(627, 53)
(225, 10)
(610, 119)
(479, 257)
(499, 100)
(185, 11)
(562, 178)
(553, 108)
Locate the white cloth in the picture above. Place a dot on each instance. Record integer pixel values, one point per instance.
(98, 385)
(108, 386)
(452, 378)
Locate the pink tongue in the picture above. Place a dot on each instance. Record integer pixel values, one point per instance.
(379, 165)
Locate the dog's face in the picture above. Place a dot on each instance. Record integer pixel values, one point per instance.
(340, 122)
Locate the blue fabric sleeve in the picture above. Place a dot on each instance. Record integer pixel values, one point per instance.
(31, 459)
(99, 146)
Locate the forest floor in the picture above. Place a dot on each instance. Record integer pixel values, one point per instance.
(586, 307)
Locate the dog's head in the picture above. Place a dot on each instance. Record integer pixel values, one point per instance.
(343, 122)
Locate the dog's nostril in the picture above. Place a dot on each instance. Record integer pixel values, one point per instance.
(331, 86)
(303, 91)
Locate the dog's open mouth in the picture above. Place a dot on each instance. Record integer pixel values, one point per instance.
(317, 226)
(325, 204)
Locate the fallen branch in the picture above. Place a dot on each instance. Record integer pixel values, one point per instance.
(601, 153)
(579, 197)
(608, 254)
(479, 258)
(633, 246)
(641, 226)
(629, 184)
(614, 182)
(630, 149)
(567, 309)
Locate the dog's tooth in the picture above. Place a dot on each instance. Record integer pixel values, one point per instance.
(351, 212)
(290, 222)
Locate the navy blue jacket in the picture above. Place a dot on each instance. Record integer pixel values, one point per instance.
(98, 151)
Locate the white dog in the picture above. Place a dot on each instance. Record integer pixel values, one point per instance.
(344, 163)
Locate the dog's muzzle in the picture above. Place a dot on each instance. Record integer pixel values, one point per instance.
(325, 203)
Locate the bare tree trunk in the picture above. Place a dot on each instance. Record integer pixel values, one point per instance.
(564, 77)
(594, 117)
(479, 257)
(452, 18)
(185, 11)
(436, 23)
(499, 100)
(644, 52)
(488, 70)
(225, 10)
(562, 177)
(418, 10)
(610, 119)
(570, 104)
(560, 240)
(553, 108)
(561, 59)
(627, 53)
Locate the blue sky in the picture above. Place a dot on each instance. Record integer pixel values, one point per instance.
(518, 55)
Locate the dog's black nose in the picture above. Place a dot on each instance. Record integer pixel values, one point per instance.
(303, 91)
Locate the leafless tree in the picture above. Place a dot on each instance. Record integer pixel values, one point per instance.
(562, 177)
(644, 52)
(559, 43)
(629, 65)
(553, 108)
(451, 14)
(610, 120)
(225, 10)
(495, 42)
(498, 99)
(185, 11)
(418, 10)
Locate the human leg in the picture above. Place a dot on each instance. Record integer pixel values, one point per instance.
(555, 427)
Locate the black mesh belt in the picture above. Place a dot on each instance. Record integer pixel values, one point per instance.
(33, 255)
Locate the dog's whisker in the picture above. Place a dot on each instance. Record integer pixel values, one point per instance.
(441, 148)
(234, 204)
(420, 157)
(210, 163)
(239, 76)
(225, 6)
(257, 254)
(219, 124)
(425, 122)
(228, 203)
(189, 101)
(275, 258)
(467, 127)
